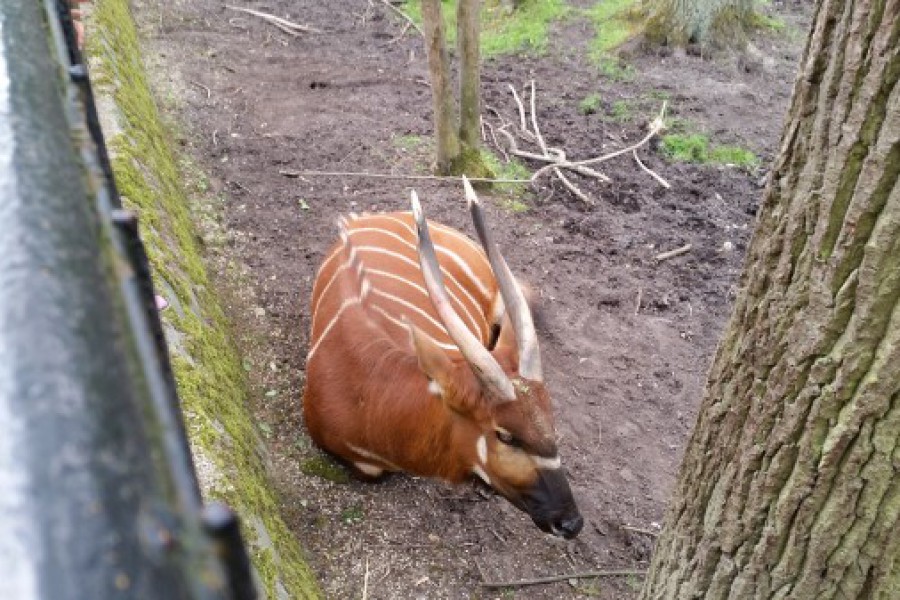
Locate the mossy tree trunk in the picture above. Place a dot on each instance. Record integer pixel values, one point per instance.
(458, 139)
(468, 26)
(790, 485)
(703, 22)
(443, 102)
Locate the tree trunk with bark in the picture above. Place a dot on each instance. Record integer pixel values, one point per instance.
(468, 25)
(443, 102)
(702, 22)
(790, 486)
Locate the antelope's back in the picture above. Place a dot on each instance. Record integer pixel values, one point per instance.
(373, 274)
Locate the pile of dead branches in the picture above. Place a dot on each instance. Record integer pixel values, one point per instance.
(554, 159)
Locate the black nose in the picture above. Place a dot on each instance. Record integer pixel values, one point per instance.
(569, 527)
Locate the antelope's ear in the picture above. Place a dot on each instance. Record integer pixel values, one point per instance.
(432, 359)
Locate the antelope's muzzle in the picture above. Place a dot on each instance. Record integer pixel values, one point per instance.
(551, 506)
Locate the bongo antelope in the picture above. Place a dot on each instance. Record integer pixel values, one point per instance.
(407, 371)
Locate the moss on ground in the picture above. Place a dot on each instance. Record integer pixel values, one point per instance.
(207, 367)
(325, 468)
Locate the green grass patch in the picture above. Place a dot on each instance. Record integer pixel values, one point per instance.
(615, 22)
(524, 30)
(758, 20)
(622, 111)
(614, 68)
(590, 104)
(696, 148)
(508, 195)
(733, 155)
(409, 143)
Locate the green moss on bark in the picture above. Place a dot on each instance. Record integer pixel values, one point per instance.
(211, 383)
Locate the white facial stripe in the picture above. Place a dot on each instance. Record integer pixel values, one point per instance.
(481, 449)
(368, 469)
(542, 462)
(414, 264)
(434, 388)
(344, 305)
(480, 472)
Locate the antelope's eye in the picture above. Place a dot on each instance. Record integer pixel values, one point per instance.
(506, 437)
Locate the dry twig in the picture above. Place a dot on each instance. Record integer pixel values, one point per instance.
(639, 530)
(283, 24)
(365, 592)
(650, 171)
(554, 578)
(203, 87)
(673, 253)
(522, 124)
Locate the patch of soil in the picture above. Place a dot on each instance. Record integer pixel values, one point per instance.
(626, 339)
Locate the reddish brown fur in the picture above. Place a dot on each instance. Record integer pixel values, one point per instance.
(367, 397)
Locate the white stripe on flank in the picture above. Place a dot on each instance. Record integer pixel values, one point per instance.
(412, 307)
(413, 263)
(443, 229)
(328, 259)
(543, 462)
(463, 265)
(370, 470)
(474, 324)
(372, 456)
(399, 323)
(334, 277)
(344, 305)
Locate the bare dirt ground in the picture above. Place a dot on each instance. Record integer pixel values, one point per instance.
(626, 339)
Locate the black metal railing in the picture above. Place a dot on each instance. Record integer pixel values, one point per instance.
(98, 494)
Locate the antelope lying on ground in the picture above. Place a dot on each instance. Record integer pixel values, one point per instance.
(399, 374)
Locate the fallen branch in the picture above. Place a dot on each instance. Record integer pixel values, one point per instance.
(650, 171)
(555, 578)
(673, 253)
(639, 530)
(522, 124)
(560, 156)
(282, 24)
(296, 174)
(404, 15)
(656, 126)
(516, 151)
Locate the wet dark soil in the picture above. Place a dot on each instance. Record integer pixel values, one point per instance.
(626, 338)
